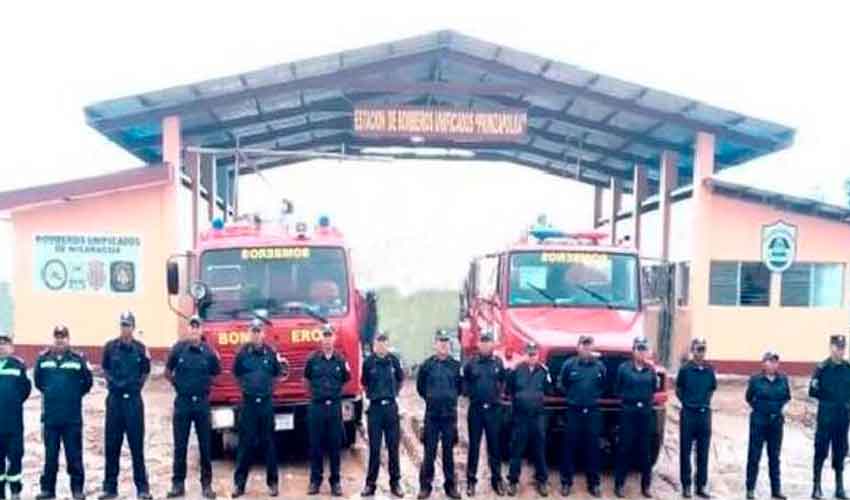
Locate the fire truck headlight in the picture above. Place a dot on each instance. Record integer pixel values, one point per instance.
(198, 291)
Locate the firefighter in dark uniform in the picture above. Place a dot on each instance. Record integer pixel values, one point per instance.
(257, 369)
(695, 385)
(767, 393)
(484, 379)
(191, 367)
(526, 385)
(636, 384)
(830, 385)
(63, 377)
(582, 381)
(382, 377)
(325, 373)
(439, 384)
(15, 388)
(126, 365)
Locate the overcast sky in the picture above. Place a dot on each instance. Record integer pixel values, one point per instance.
(783, 61)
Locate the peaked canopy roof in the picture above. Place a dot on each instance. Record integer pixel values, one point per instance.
(581, 124)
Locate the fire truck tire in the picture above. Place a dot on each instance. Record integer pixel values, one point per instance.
(217, 445)
(350, 436)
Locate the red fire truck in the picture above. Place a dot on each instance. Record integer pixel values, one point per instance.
(549, 288)
(295, 278)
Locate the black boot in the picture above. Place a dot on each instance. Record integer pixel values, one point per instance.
(839, 485)
(176, 491)
(396, 490)
(618, 491)
(817, 492)
(703, 493)
(777, 494)
(451, 492)
(368, 491)
(542, 489)
(686, 492)
(751, 494)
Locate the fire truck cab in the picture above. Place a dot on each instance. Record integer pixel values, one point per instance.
(298, 280)
(551, 287)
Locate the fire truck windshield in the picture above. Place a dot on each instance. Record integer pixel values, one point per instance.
(242, 280)
(573, 279)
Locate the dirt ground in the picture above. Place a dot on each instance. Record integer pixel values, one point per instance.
(728, 455)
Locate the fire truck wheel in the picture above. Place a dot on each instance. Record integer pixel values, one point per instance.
(217, 445)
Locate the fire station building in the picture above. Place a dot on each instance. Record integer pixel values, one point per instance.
(753, 269)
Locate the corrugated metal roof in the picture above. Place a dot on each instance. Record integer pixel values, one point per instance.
(602, 123)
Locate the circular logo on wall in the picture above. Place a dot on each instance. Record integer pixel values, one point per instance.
(54, 274)
(778, 246)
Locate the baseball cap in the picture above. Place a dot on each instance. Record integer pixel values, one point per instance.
(770, 355)
(127, 319)
(442, 335)
(698, 343)
(195, 320)
(640, 344)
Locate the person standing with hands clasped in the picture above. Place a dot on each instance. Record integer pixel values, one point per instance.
(582, 381)
(191, 367)
(64, 378)
(695, 385)
(636, 384)
(382, 378)
(767, 394)
(126, 365)
(439, 384)
(527, 385)
(830, 385)
(483, 380)
(326, 373)
(257, 370)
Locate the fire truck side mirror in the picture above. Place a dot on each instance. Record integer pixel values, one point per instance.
(172, 278)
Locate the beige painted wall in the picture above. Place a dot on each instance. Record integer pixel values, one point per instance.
(93, 319)
(743, 333)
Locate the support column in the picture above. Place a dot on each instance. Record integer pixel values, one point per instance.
(669, 180)
(704, 151)
(170, 218)
(212, 193)
(616, 202)
(597, 206)
(193, 162)
(638, 194)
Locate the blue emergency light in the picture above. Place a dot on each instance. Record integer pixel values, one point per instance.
(324, 221)
(543, 232)
(218, 223)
